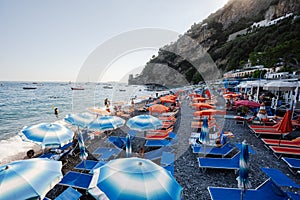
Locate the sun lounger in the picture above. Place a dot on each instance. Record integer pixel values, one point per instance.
(239, 146)
(106, 153)
(279, 178)
(89, 165)
(119, 142)
(157, 143)
(157, 136)
(259, 132)
(289, 143)
(293, 164)
(284, 151)
(208, 150)
(155, 154)
(270, 189)
(76, 180)
(220, 163)
(267, 191)
(167, 158)
(69, 194)
(170, 168)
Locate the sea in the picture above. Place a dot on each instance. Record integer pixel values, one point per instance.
(23, 107)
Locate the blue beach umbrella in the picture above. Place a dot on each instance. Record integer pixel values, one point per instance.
(80, 119)
(47, 135)
(144, 123)
(243, 181)
(83, 154)
(105, 123)
(204, 137)
(29, 179)
(128, 146)
(134, 178)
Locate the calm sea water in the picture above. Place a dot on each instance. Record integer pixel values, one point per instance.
(19, 107)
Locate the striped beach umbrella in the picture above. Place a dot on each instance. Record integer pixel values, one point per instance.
(128, 146)
(243, 181)
(47, 135)
(204, 137)
(83, 154)
(144, 123)
(80, 119)
(105, 123)
(134, 178)
(29, 179)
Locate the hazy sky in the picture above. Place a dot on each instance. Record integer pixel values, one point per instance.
(50, 40)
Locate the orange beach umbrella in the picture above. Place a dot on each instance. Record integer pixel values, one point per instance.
(158, 108)
(285, 126)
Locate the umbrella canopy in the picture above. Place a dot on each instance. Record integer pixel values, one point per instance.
(204, 137)
(247, 103)
(98, 111)
(158, 108)
(202, 105)
(286, 126)
(243, 181)
(167, 100)
(105, 123)
(280, 86)
(135, 178)
(209, 112)
(47, 135)
(26, 179)
(197, 99)
(80, 119)
(144, 123)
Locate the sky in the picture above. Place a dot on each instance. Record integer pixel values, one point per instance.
(51, 40)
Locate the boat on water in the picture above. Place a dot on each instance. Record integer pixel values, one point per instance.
(29, 88)
(122, 90)
(107, 87)
(77, 88)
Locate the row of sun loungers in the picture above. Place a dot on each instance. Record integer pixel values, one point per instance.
(270, 189)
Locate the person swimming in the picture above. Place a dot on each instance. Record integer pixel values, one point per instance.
(56, 111)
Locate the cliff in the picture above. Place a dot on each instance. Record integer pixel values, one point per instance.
(179, 63)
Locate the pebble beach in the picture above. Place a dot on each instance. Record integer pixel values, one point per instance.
(193, 179)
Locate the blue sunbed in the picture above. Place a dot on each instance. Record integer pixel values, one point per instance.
(119, 142)
(157, 143)
(155, 154)
(76, 180)
(279, 178)
(86, 165)
(293, 163)
(220, 163)
(170, 168)
(167, 158)
(105, 153)
(269, 191)
(69, 194)
(239, 146)
(208, 150)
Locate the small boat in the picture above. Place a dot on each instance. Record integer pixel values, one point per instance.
(77, 88)
(29, 88)
(121, 90)
(107, 87)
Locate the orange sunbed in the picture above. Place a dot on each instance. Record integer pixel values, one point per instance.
(157, 136)
(285, 150)
(290, 143)
(168, 119)
(267, 132)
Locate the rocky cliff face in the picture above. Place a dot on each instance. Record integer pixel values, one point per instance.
(179, 59)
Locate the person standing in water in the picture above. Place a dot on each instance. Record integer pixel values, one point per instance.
(56, 111)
